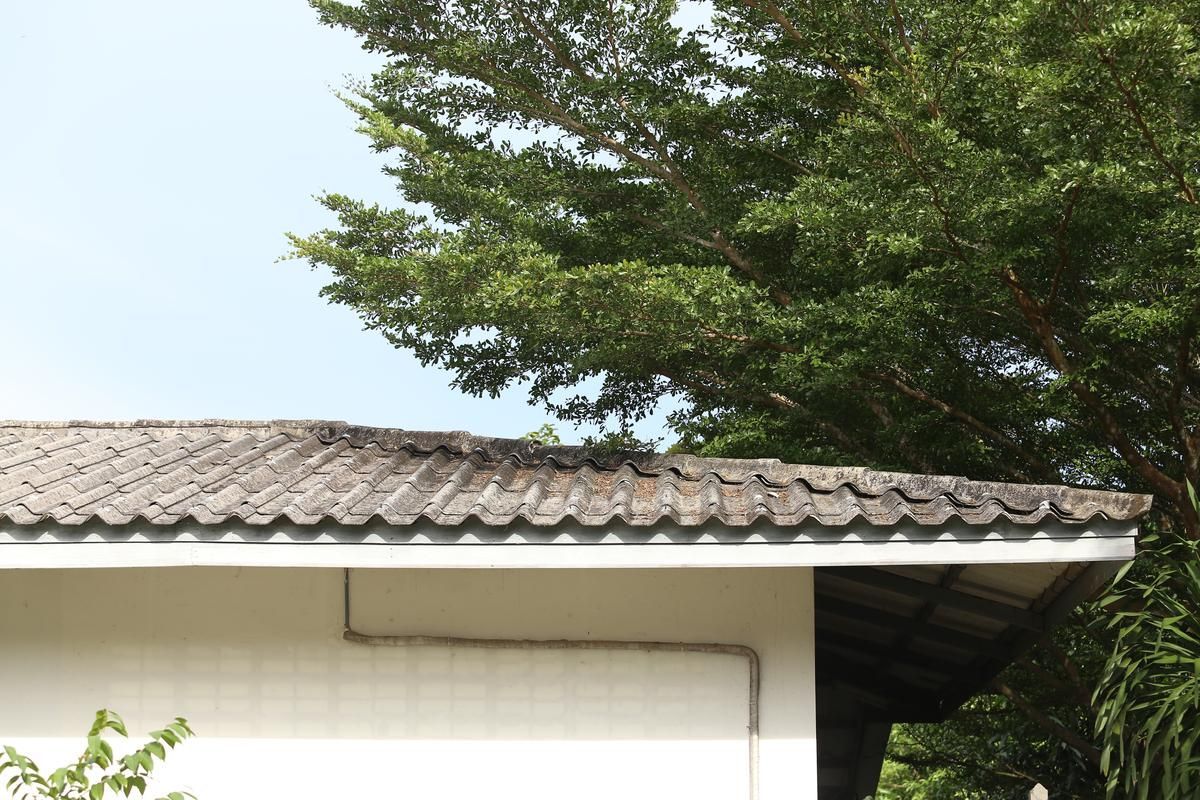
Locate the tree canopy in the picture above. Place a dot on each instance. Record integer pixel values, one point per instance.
(921, 235)
(928, 236)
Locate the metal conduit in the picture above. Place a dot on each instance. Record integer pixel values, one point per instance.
(413, 640)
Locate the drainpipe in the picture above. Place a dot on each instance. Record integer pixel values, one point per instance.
(412, 640)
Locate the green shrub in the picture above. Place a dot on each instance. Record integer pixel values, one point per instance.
(97, 771)
(1148, 699)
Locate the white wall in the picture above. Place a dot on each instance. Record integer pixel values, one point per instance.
(284, 708)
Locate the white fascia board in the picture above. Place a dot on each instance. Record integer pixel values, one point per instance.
(526, 546)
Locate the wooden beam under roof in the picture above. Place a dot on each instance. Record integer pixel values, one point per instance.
(894, 622)
(931, 592)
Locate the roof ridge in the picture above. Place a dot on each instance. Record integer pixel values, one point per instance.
(212, 422)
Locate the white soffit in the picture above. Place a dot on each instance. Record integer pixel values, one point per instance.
(529, 546)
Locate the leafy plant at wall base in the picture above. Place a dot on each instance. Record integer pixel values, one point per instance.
(1149, 694)
(97, 771)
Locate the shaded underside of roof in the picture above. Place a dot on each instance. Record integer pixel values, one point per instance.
(912, 643)
(307, 472)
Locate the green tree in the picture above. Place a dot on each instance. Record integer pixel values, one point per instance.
(941, 237)
(995, 750)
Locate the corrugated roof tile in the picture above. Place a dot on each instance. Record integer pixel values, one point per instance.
(178, 501)
(94, 495)
(21, 515)
(307, 472)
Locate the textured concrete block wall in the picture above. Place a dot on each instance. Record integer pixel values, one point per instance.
(285, 708)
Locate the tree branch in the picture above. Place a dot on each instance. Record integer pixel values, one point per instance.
(1129, 98)
(942, 758)
(749, 341)
(901, 30)
(1031, 309)
(1046, 472)
(667, 169)
(1060, 244)
(1044, 721)
(724, 390)
(931, 104)
(1189, 438)
(796, 165)
(902, 140)
(1082, 692)
(957, 56)
(612, 41)
(1078, 696)
(792, 32)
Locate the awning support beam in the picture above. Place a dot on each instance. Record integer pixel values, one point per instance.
(899, 623)
(933, 593)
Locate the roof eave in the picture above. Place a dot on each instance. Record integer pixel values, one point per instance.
(571, 546)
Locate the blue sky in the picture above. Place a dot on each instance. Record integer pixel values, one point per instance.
(152, 155)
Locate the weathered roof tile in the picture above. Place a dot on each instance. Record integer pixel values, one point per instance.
(308, 472)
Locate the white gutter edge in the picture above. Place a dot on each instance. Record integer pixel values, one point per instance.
(95, 553)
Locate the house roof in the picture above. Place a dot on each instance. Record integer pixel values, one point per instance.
(307, 472)
(955, 577)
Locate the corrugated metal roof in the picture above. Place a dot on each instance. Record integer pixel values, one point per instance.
(306, 472)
